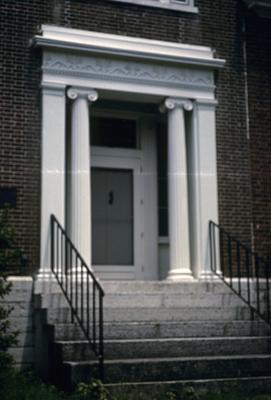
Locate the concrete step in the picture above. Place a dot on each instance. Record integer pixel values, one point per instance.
(196, 286)
(201, 389)
(215, 286)
(167, 329)
(151, 300)
(165, 348)
(179, 368)
(160, 314)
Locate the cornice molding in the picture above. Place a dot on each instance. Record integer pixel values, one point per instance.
(94, 43)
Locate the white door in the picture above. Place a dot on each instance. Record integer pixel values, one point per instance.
(117, 213)
(112, 216)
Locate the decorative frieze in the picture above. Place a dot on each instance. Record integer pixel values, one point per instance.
(125, 71)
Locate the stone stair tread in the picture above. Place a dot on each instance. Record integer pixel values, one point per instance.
(189, 381)
(171, 359)
(181, 339)
(170, 323)
(244, 386)
(162, 340)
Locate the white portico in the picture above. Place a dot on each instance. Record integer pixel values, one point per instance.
(81, 69)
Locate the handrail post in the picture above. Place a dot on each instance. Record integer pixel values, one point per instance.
(238, 267)
(257, 283)
(67, 263)
(211, 245)
(221, 246)
(52, 244)
(267, 291)
(230, 259)
(245, 258)
(101, 341)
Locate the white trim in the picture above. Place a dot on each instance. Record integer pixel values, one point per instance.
(53, 163)
(185, 5)
(107, 44)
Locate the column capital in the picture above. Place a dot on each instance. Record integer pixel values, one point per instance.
(76, 92)
(174, 102)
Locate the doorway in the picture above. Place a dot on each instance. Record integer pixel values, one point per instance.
(124, 198)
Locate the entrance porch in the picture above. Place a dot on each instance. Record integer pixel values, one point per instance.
(81, 180)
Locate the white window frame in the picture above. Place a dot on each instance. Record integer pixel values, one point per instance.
(178, 5)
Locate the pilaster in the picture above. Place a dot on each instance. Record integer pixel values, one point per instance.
(203, 183)
(52, 165)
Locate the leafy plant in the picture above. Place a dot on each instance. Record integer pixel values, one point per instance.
(95, 390)
(10, 255)
(170, 396)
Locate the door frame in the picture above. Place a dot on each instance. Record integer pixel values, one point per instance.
(126, 159)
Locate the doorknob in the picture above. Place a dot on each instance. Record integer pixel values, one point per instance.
(111, 197)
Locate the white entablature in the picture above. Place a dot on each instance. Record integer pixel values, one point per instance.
(121, 63)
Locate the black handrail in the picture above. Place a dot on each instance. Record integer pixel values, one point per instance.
(234, 262)
(80, 287)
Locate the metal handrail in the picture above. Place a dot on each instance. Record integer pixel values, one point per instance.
(234, 262)
(81, 289)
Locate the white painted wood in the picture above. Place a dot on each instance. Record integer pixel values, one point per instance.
(112, 216)
(80, 196)
(52, 166)
(95, 42)
(131, 69)
(203, 178)
(179, 250)
(149, 175)
(104, 157)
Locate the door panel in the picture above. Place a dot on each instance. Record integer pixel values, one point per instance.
(112, 216)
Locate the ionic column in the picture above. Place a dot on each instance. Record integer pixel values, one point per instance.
(79, 185)
(179, 246)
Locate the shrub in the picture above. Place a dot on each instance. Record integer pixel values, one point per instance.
(95, 390)
(10, 255)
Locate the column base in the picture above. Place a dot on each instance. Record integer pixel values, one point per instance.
(44, 281)
(209, 276)
(180, 275)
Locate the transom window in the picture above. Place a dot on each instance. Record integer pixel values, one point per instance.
(113, 132)
(179, 5)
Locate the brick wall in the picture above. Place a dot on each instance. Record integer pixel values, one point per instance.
(258, 34)
(218, 25)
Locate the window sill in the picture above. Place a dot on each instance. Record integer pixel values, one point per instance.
(157, 4)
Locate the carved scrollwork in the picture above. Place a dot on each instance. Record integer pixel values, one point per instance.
(73, 93)
(170, 103)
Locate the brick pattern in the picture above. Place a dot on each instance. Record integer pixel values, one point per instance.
(259, 84)
(218, 24)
